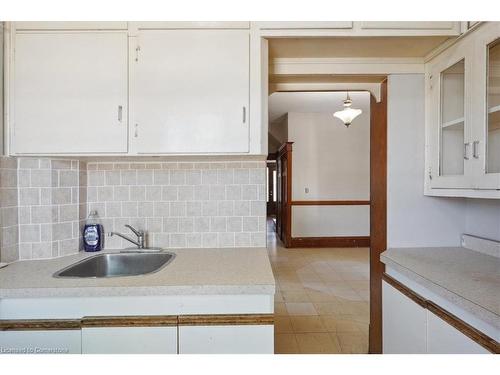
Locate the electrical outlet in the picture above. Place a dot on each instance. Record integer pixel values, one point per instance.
(306, 190)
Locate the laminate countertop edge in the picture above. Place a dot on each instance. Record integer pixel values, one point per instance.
(466, 304)
(229, 271)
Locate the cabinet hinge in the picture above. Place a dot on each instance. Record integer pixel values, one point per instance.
(136, 131)
(137, 49)
(430, 173)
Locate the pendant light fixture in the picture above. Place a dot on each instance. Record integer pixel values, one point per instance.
(347, 114)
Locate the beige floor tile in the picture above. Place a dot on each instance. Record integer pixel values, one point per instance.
(280, 308)
(285, 343)
(352, 343)
(327, 308)
(305, 324)
(316, 296)
(295, 296)
(321, 301)
(317, 343)
(278, 297)
(283, 324)
(300, 308)
(329, 322)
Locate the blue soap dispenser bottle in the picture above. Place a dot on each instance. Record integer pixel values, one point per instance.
(92, 233)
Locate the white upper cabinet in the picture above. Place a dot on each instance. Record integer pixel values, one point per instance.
(463, 117)
(69, 93)
(486, 99)
(191, 91)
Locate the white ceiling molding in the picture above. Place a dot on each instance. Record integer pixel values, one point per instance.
(352, 66)
(373, 88)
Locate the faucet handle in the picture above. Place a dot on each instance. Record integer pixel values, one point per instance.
(138, 233)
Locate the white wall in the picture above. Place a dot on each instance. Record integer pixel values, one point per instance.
(482, 218)
(333, 163)
(412, 218)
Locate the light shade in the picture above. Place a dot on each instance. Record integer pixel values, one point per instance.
(347, 114)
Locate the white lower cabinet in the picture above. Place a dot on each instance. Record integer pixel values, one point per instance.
(442, 338)
(231, 339)
(409, 328)
(403, 323)
(129, 340)
(40, 342)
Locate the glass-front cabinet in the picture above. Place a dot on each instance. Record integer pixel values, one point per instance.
(448, 116)
(486, 101)
(463, 117)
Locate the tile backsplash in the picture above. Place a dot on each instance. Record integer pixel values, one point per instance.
(9, 229)
(44, 202)
(181, 204)
(49, 204)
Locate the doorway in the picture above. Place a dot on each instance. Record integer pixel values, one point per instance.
(364, 334)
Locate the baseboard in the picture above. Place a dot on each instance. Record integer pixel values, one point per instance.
(354, 241)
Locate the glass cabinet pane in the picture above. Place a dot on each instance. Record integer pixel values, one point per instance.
(493, 96)
(452, 123)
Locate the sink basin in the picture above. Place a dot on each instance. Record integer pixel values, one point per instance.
(127, 263)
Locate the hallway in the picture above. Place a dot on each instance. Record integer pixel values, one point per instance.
(321, 301)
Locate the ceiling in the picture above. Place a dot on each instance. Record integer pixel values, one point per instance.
(332, 47)
(280, 103)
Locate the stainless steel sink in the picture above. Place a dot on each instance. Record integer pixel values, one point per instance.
(126, 263)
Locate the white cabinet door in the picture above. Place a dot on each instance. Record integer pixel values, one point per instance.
(232, 339)
(403, 323)
(442, 338)
(129, 340)
(191, 91)
(486, 107)
(70, 92)
(41, 342)
(448, 117)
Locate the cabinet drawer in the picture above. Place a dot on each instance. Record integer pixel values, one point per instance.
(129, 340)
(40, 342)
(232, 339)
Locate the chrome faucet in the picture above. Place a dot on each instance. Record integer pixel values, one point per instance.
(139, 233)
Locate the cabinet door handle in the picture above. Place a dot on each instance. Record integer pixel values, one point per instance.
(475, 149)
(244, 114)
(466, 150)
(120, 113)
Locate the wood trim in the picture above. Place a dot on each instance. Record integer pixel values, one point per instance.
(130, 321)
(378, 213)
(480, 338)
(226, 319)
(39, 325)
(331, 203)
(135, 321)
(404, 290)
(354, 241)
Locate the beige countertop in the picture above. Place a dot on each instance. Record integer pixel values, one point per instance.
(467, 278)
(193, 271)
